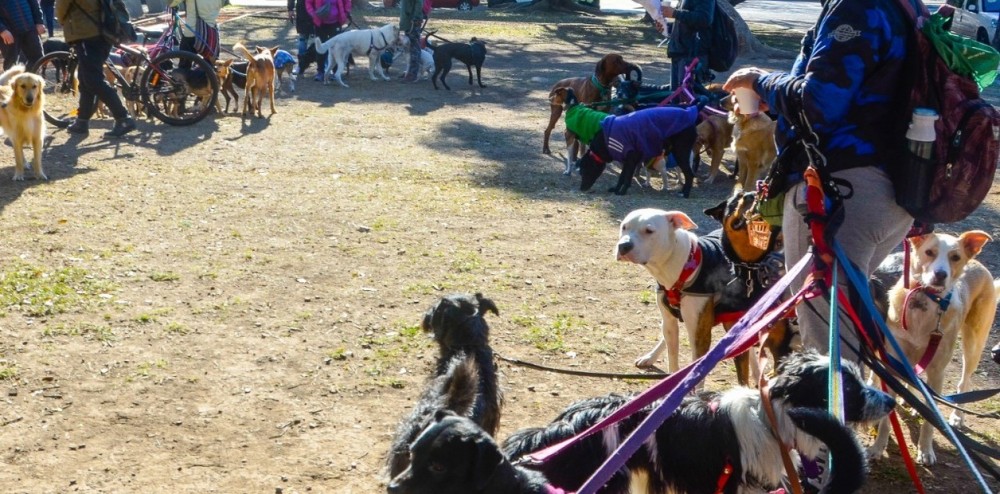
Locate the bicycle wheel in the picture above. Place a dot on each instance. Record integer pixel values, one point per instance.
(62, 97)
(179, 88)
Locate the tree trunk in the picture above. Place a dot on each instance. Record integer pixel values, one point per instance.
(749, 44)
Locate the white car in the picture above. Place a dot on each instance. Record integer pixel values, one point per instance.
(976, 19)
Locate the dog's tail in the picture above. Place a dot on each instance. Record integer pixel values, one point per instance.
(461, 385)
(244, 52)
(849, 467)
(10, 73)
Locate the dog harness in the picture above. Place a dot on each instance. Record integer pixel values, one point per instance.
(935, 340)
(371, 44)
(716, 279)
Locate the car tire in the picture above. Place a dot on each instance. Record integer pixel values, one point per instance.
(982, 36)
(465, 5)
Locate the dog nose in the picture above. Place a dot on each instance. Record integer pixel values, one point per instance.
(939, 277)
(625, 247)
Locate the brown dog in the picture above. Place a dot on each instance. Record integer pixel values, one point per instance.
(260, 78)
(753, 142)
(715, 133)
(22, 101)
(596, 87)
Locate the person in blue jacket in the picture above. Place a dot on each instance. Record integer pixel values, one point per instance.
(847, 86)
(690, 37)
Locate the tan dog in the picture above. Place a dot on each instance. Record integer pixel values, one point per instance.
(943, 268)
(753, 143)
(260, 78)
(715, 134)
(596, 87)
(22, 101)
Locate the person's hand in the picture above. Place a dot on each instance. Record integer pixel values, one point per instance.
(667, 11)
(291, 16)
(7, 37)
(40, 29)
(743, 78)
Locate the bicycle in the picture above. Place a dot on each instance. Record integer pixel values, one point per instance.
(161, 85)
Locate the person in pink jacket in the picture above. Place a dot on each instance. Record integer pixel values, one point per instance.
(329, 18)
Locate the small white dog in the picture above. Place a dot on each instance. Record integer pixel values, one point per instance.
(371, 42)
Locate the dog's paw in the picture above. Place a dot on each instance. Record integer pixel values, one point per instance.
(41, 176)
(646, 360)
(956, 420)
(18, 177)
(568, 172)
(875, 452)
(926, 458)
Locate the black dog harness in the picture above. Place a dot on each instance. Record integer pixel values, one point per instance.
(707, 253)
(371, 44)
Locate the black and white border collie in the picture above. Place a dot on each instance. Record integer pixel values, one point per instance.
(713, 431)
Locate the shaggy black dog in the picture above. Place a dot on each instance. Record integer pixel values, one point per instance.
(710, 432)
(464, 381)
(453, 455)
(471, 54)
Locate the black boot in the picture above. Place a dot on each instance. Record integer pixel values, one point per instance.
(79, 127)
(122, 126)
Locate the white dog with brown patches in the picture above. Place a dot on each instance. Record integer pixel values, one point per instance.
(951, 294)
(21, 103)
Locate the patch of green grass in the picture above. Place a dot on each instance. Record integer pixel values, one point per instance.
(96, 332)
(148, 368)
(8, 372)
(40, 291)
(549, 337)
(339, 353)
(151, 317)
(466, 262)
(177, 328)
(164, 276)
(647, 297)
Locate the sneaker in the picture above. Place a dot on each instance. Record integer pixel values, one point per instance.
(79, 127)
(318, 78)
(410, 78)
(122, 127)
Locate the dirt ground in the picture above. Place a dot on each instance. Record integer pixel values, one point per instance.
(234, 306)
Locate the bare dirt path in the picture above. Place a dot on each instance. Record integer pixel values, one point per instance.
(233, 306)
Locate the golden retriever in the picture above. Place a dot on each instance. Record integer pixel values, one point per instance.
(260, 78)
(21, 105)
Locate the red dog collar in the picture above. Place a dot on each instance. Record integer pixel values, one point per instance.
(694, 260)
(595, 157)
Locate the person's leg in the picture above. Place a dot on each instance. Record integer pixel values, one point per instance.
(866, 239)
(92, 53)
(9, 55)
(413, 35)
(49, 13)
(677, 66)
(31, 47)
(303, 48)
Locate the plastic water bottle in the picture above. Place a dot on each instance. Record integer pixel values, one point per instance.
(916, 185)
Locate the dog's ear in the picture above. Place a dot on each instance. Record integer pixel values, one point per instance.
(972, 242)
(718, 211)
(488, 459)
(680, 220)
(599, 69)
(274, 51)
(486, 305)
(919, 240)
